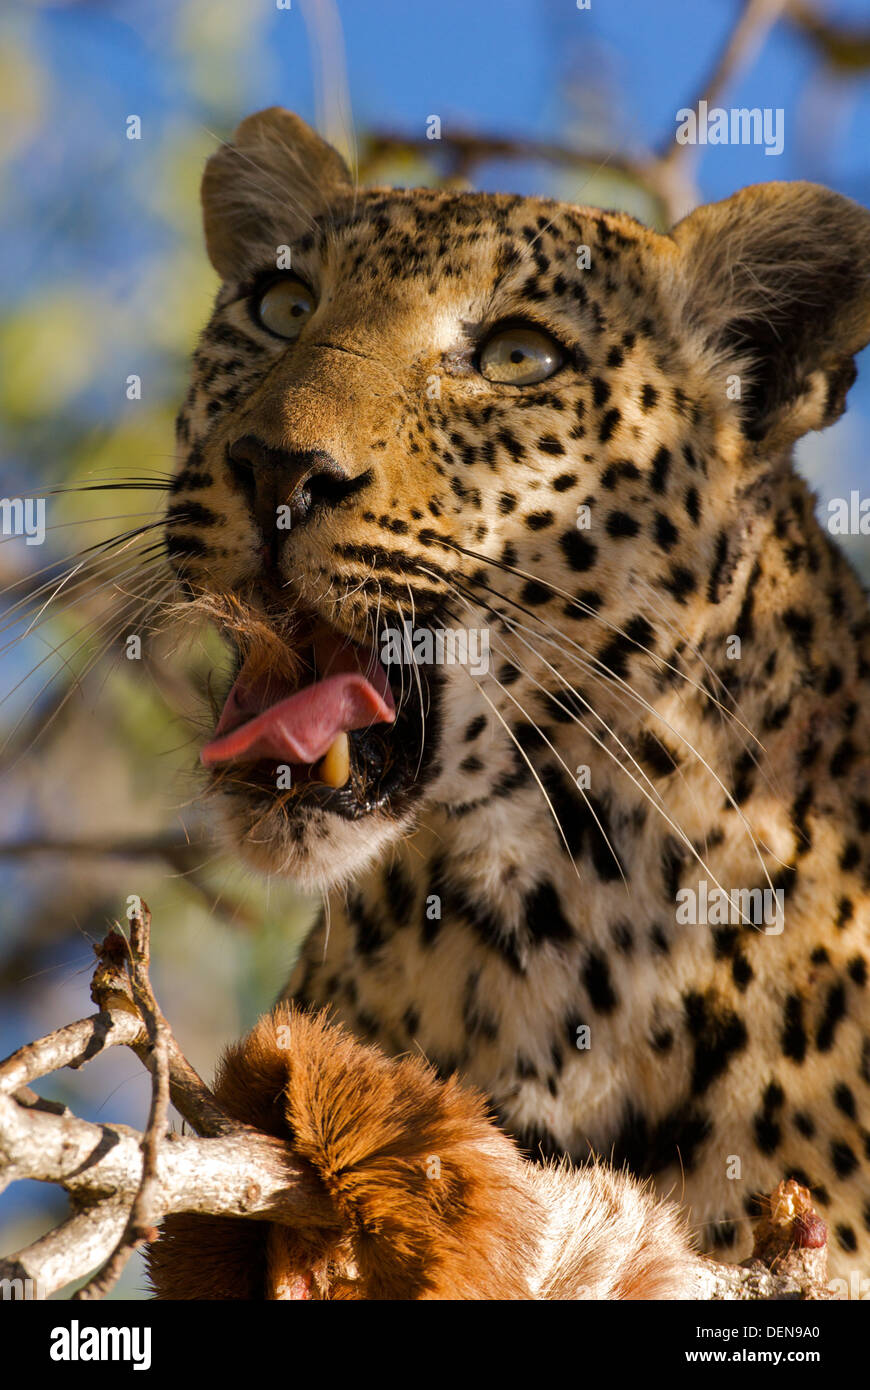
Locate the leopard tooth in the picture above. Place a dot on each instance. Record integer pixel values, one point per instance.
(334, 768)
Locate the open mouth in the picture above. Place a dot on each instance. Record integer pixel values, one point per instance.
(344, 732)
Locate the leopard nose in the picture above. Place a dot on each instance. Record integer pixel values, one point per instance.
(282, 487)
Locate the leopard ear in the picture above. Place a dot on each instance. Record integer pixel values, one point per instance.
(264, 187)
(777, 281)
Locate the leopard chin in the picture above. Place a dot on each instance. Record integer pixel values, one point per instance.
(316, 848)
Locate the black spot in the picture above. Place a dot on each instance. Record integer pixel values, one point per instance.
(767, 1134)
(725, 941)
(544, 918)
(524, 1068)
(718, 1034)
(580, 553)
(534, 593)
(615, 472)
(593, 824)
(369, 935)
(794, 1037)
(833, 680)
(718, 572)
(660, 469)
(846, 1237)
(845, 1100)
(680, 582)
(596, 977)
(845, 912)
(656, 754)
(723, 1234)
(411, 1020)
(666, 533)
(623, 938)
(400, 894)
(799, 625)
(621, 524)
(512, 445)
(844, 756)
(613, 656)
(835, 1009)
(608, 424)
(672, 861)
(659, 941)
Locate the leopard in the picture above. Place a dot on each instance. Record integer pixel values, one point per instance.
(565, 441)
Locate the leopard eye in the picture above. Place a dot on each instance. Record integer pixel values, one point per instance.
(284, 307)
(520, 356)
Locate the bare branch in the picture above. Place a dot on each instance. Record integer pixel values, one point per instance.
(146, 1210)
(101, 1166)
(111, 989)
(71, 1046)
(845, 46)
(177, 849)
(747, 37)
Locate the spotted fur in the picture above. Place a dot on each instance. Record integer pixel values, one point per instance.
(501, 908)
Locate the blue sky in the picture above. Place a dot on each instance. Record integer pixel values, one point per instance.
(614, 75)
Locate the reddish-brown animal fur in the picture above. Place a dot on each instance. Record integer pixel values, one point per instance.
(434, 1201)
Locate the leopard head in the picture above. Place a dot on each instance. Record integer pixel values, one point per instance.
(462, 476)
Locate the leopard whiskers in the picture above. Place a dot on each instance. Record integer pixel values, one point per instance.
(70, 636)
(637, 581)
(592, 613)
(419, 686)
(612, 677)
(115, 621)
(678, 831)
(532, 769)
(680, 737)
(90, 554)
(150, 556)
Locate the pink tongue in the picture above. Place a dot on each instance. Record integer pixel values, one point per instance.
(300, 728)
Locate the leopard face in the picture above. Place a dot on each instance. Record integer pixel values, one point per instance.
(501, 419)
